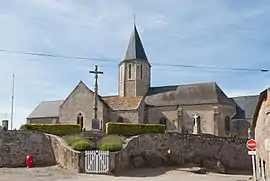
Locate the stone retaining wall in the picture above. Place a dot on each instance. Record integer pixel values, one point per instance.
(65, 156)
(46, 150)
(153, 150)
(16, 145)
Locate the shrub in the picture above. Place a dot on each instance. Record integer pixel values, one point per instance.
(111, 143)
(133, 129)
(82, 145)
(56, 129)
(71, 139)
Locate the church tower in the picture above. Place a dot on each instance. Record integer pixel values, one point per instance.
(134, 70)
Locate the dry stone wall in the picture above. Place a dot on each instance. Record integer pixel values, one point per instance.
(65, 156)
(153, 150)
(16, 145)
(46, 150)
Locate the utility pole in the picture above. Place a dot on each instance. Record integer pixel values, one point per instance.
(12, 102)
(96, 72)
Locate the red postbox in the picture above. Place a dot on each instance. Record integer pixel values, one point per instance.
(29, 161)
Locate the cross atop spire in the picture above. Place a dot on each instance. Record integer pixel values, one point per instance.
(134, 19)
(135, 50)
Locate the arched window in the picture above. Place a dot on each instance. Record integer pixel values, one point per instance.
(80, 119)
(227, 124)
(120, 119)
(163, 121)
(129, 71)
(141, 71)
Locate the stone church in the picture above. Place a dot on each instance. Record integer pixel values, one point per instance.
(201, 107)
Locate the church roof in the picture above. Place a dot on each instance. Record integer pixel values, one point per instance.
(46, 109)
(188, 94)
(135, 50)
(245, 106)
(123, 103)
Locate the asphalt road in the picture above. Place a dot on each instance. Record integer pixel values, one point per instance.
(160, 174)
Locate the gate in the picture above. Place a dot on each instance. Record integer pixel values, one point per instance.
(96, 161)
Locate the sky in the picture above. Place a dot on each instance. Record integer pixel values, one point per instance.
(187, 32)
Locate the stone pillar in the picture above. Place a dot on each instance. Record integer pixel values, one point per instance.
(216, 120)
(5, 124)
(197, 124)
(179, 118)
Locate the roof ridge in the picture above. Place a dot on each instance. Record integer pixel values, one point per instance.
(250, 95)
(184, 84)
(51, 101)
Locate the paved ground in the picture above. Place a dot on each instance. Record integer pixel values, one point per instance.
(56, 174)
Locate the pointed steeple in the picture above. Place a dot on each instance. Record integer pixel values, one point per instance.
(135, 50)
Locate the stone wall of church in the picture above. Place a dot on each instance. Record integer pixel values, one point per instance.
(81, 101)
(131, 116)
(206, 112)
(169, 112)
(43, 120)
(222, 112)
(175, 149)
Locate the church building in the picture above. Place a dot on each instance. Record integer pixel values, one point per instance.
(201, 107)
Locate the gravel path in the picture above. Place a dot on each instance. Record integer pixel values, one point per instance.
(57, 174)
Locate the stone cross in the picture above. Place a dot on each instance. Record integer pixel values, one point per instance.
(196, 125)
(96, 72)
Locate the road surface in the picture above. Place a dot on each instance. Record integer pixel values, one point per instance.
(160, 174)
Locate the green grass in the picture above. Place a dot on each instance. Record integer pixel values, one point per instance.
(111, 143)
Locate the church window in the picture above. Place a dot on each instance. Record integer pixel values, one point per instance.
(141, 71)
(227, 124)
(163, 121)
(80, 119)
(120, 119)
(129, 71)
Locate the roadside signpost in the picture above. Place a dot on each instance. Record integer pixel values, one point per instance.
(251, 145)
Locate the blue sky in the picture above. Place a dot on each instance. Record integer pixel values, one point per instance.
(207, 33)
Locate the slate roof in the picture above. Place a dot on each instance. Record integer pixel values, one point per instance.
(123, 103)
(46, 109)
(188, 94)
(245, 106)
(135, 50)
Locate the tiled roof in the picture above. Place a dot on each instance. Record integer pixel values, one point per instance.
(188, 94)
(46, 109)
(123, 103)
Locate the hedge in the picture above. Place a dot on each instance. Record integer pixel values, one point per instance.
(82, 145)
(113, 128)
(111, 143)
(71, 139)
(55, 129)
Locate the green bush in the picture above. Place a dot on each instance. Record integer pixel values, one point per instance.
(71, 139)
(82, 145)
(111, 143)
(133, 129)
(55, 129)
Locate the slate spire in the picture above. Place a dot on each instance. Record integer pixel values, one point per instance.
(135, 48)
